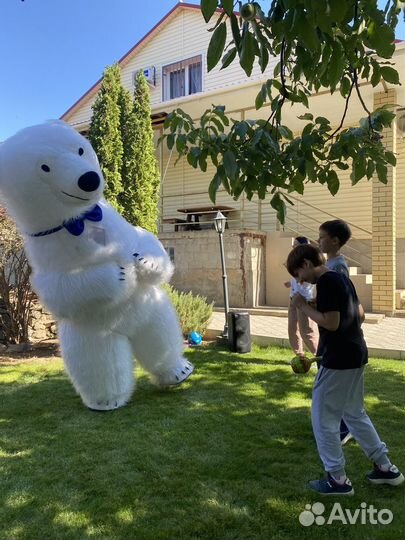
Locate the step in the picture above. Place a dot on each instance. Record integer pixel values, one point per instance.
(271, 311)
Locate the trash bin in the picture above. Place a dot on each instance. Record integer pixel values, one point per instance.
(239, 332)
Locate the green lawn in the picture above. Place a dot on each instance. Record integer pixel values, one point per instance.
(226, 456)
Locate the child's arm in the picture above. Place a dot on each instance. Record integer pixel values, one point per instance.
(329, 320)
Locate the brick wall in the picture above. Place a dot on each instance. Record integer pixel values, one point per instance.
(384, 225)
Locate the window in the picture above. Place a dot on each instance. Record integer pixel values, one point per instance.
(182, 78)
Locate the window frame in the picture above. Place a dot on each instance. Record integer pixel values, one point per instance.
(178, 66)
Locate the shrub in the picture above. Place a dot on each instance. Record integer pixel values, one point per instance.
(193, 311)
(15, 290)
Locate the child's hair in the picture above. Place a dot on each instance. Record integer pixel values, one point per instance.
(337, 228)
(301, 253)
(302, 239)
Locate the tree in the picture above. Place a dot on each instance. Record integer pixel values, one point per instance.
(319, 44)
(140, 174)
(15, 290)
(105, 133)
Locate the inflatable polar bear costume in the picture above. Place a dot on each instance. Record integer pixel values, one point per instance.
(94, 271)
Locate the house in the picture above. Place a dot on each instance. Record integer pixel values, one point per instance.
(173, 57)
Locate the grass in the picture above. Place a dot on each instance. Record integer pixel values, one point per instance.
(226, 456)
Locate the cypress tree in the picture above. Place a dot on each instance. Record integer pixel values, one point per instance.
(140, 173)
(105, 133)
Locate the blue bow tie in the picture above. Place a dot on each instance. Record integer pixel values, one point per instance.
(75, 226)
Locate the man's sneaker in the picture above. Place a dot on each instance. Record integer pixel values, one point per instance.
(329, 486)
(345, 437)
(393, 476)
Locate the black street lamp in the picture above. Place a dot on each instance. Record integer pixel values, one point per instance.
(220, 223)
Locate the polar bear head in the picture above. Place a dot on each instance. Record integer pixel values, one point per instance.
(49, 173)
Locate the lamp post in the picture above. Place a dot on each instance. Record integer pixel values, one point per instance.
(220, 222)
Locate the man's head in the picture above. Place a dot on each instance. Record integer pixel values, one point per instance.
(333, 235)
(304, 263)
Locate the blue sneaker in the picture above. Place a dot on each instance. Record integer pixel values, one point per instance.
(392, 477)
(328, 486)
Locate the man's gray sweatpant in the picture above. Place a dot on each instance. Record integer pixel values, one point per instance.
(337, 394)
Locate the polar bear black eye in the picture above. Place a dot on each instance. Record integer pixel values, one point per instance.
(81, 151)
(45, 168)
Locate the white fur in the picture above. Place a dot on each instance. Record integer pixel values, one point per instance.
(107, 300)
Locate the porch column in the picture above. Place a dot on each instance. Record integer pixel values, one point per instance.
(384, 224)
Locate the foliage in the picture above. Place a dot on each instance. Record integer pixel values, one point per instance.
(105, 133)
(15, 290)
(319, 44)
(225, 456)
(193, 311)
(140, 174)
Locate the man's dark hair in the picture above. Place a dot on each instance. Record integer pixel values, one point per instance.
(302, 240)
(299, 254)
(337, 228)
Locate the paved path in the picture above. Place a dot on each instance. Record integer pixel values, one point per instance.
(385, 339)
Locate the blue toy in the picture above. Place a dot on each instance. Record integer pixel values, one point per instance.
(194, 338)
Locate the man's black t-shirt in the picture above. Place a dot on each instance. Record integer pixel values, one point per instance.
(345, 348)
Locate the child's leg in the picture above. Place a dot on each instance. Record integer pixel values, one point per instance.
(293, 332)
(328, 402)
(360, 424)
(309, 332)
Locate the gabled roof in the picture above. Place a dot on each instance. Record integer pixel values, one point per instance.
(135, 49)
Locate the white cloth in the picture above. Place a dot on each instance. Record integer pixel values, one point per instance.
(307, 290)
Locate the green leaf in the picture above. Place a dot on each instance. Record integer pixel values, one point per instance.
(235, 31)
(306, 116)
(247, 55)
(263, 58)
(229, 57)
(358, 169)
(307, 33)
(333, 182)
(389, 74)
(345, 85)
(381, 172)
(171, 140)
(279, 205)
(381, 38)
(216, 46)
(336, 64)
(390, 158)
(208, 8)
(214, 186)
(227, 5)
(376, 76)
(230, 164)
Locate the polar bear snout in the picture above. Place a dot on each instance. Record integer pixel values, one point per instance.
(89, 181)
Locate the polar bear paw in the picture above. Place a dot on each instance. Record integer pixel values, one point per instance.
(106, 405)
(153, 269)
(176, 376)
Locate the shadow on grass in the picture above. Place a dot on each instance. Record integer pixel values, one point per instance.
(225, 456)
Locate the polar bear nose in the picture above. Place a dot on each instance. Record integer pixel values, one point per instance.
(89, 181)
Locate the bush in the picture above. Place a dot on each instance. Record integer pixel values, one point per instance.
(193, 311)
(15, 290)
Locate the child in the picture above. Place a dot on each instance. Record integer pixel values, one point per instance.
(338, 386)
(332, 236)
(301, 329)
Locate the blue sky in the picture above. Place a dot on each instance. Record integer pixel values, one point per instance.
(53, 51)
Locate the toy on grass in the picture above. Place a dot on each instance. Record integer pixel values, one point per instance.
(194, 338)
(302, 364)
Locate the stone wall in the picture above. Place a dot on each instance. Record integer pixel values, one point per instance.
(42, 324)
(197, 260)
